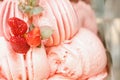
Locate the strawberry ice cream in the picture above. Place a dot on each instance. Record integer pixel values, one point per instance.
(83, 56)
(59, 17)
(72, 52)
(61, 14)
(33, 66)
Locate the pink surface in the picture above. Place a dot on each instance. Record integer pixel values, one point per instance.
(62, 19)
(19, 67)
(83, 56)
(85, 15)
(9, 9)
(59, 77)
(73, 52)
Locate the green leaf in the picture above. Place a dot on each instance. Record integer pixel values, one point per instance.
(36, 10)
(32, 2)
(46, 32)
(24, 8)
(31, 27)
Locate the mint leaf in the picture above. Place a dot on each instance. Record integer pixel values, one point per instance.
(31, 27)
(46, 32)
(32, 2)
(24, 8)
(31, 7)
(36, 10)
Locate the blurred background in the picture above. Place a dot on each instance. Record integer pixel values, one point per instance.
(108, 19)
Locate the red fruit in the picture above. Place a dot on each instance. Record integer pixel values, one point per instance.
(33, 37)
(18, 26)
(19, 44)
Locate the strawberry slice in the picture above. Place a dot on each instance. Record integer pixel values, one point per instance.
(18, 26)
(33, 37)
(19, 44)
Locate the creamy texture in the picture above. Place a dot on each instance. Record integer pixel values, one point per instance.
(86, 16)
(62, 19)
(71, 53)
(59, 77)
(38, 63)
(65, 18)
(15, 66)
(83, 56)
(9, 9)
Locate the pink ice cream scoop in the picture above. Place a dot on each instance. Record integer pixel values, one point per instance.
(61, 16)
(33, 66)
(81, 57)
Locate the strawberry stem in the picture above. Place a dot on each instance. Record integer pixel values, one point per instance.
(30, 20)
(31, 27)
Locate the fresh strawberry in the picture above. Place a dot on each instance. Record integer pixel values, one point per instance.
(19, 44)
(33, 37)
(18, 26)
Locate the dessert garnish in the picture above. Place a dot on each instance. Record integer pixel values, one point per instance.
(19, 44)
(18, 26)
(46, 32)
(17, 41)
(33, 37)
(30, 7)
(23, 38)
